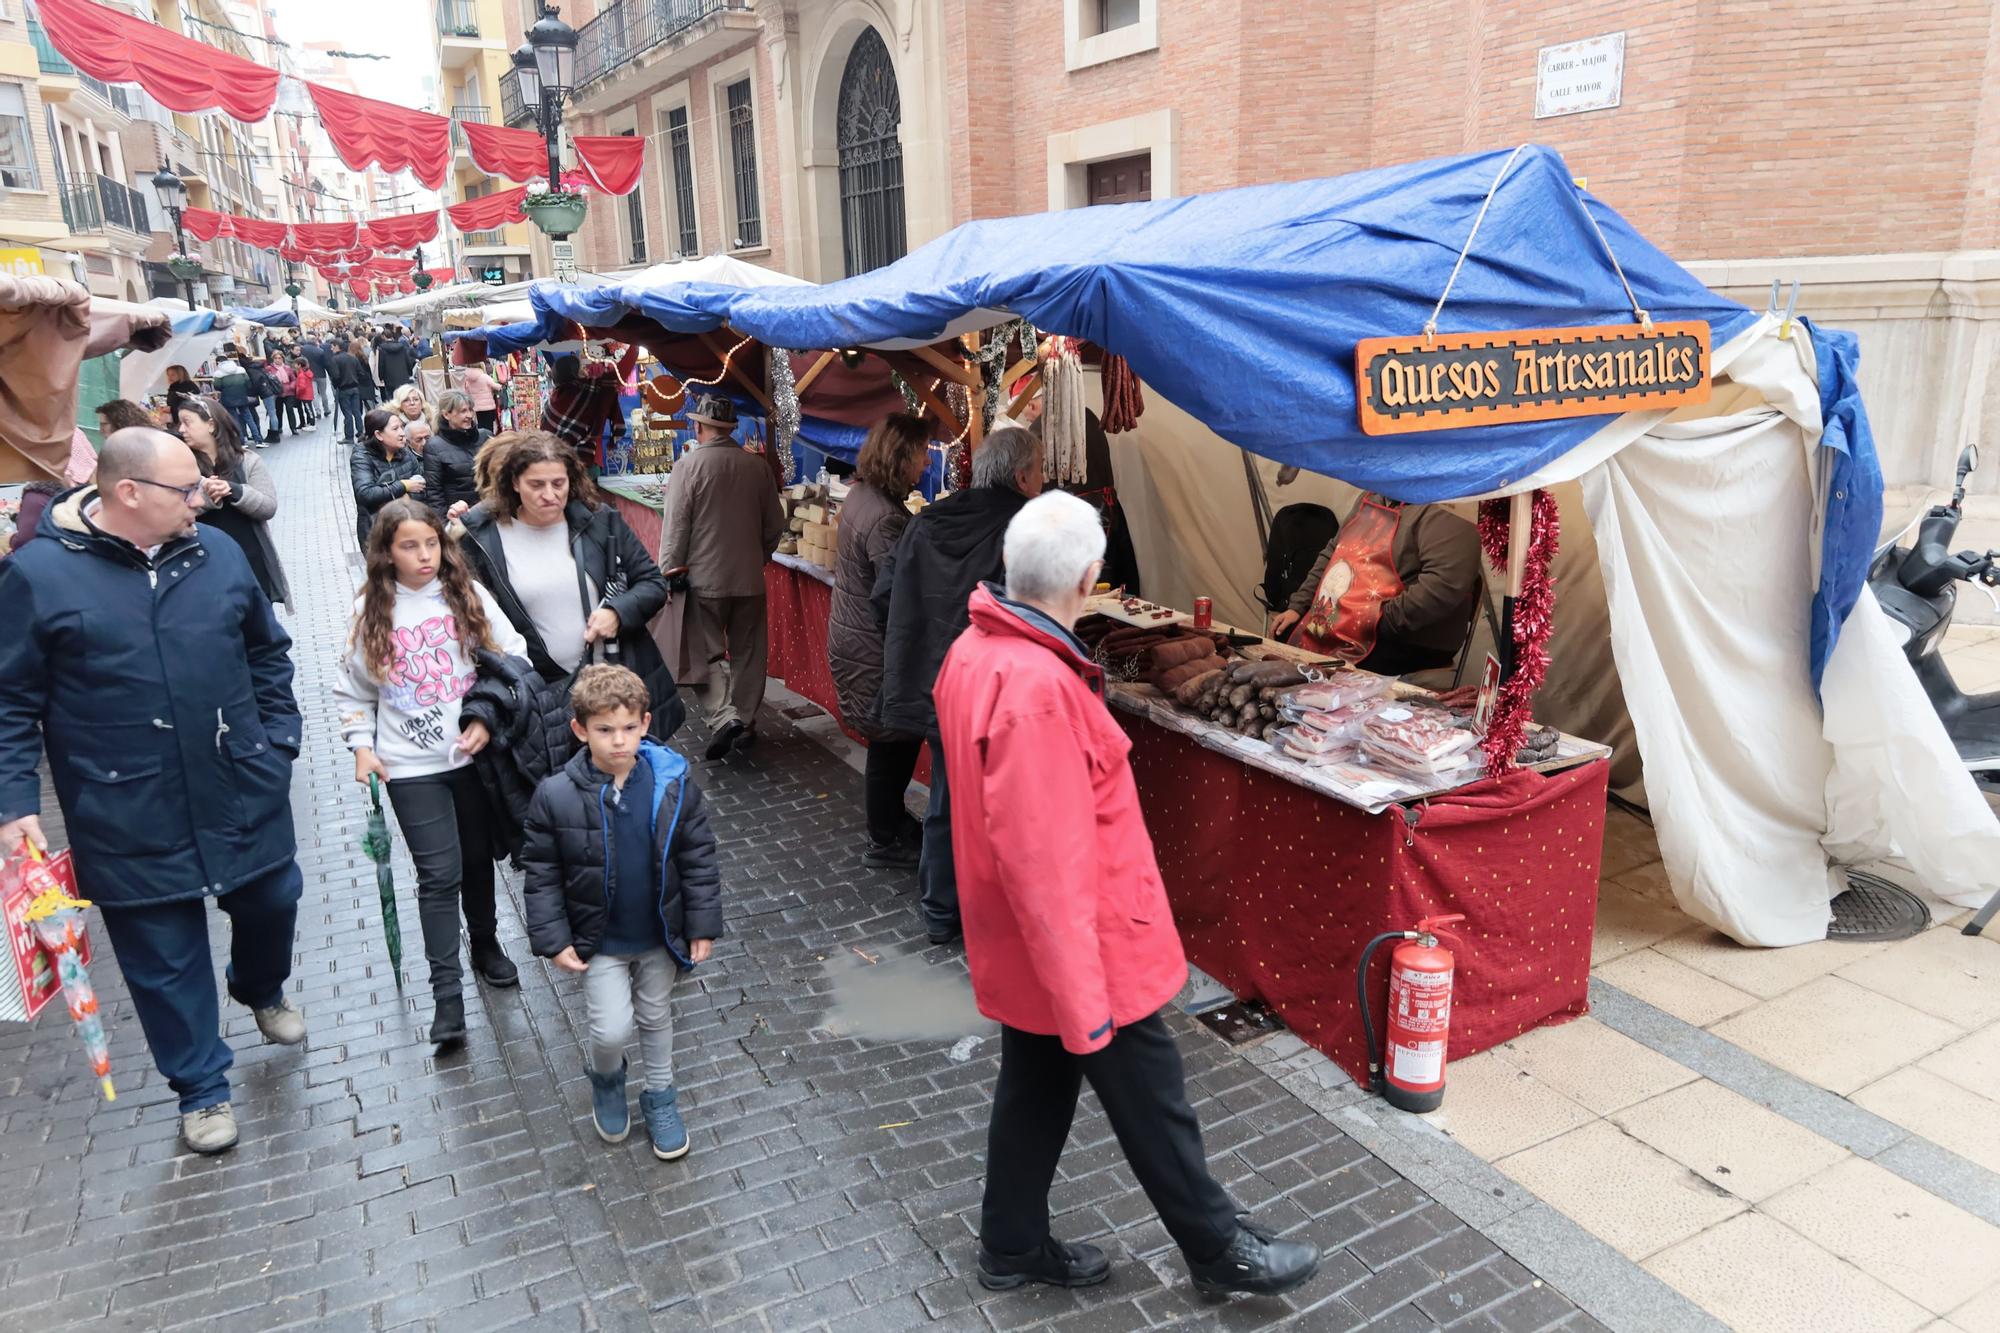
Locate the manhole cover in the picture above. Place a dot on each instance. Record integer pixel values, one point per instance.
(1874, 909)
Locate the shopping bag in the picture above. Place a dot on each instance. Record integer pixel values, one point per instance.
(32, 979)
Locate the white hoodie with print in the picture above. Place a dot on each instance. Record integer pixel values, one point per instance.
(409, 717)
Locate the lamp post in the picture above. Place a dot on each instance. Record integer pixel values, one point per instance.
(545, 69)
(172, 193)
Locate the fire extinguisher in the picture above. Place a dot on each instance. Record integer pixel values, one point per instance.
(1419, 1016)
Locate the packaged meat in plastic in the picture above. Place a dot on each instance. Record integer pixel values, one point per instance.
(1343, 723)
(1312, 748)
(1341, 689)
(1420, 740)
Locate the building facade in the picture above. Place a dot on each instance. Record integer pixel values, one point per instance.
(474, 60)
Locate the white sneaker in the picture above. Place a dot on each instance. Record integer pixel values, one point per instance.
(210, 1130)
(282, 1023)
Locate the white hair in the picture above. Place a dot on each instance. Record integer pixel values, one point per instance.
(406, 391)
(1003, 456)
(1050, 546)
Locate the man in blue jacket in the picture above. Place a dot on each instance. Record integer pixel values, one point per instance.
(150, 665)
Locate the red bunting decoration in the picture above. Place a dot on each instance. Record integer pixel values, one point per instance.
(253, 231)
(182, 74)
(360, 288)
(517, 155)
(405, 231)
(489, 210)
(407, 286)
(613, 162)
(367, 133)
(385, 267)
(326, 237)
(202, 223)
(441, 276)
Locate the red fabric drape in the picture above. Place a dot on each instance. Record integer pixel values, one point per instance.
(440, 276)
(360, 254)
(383, 267)
(366, 133)
(203, 224)
(252, 231)
(614, 162)
(360, 288)
(518, 155)
(405, 231)
(406, 286)
(326, 237)
(182, 74)
(489, 210)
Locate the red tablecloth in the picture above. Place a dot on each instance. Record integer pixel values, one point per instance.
(1276, 889)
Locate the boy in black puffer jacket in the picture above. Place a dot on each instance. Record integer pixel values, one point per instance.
(620, 885)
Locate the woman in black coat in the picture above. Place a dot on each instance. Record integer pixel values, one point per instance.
(451, 453)
(537, 498)
(382, 469)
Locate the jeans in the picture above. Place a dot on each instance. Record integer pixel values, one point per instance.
(162, 949)
(937, 872)
(1140, 1083)
(351, 413)
(734, 689)
(297, 413)
(621, 992)
(891, 764)
(273, 422)
(247, 422)
(444, 818)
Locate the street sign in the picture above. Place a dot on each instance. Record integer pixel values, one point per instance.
(493, 275)
(21, 261)
(1580, 76)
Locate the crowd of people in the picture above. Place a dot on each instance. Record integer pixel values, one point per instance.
(501, 679)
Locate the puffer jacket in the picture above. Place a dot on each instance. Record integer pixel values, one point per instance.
(395, 365)
(870, 524)
(529, 722)
(605, 547)
(162, 690)
(920, 596)
(1067, 929)
(378, 479)
(568, 882)
(448, 460)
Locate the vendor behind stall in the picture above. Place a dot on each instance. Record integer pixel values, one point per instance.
(1394, 593)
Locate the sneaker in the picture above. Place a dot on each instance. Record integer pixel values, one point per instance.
(724, 740)
(890, 856)
(493, 965)
(448, 1020)
(663, 1124)
(608, 1108)
(1256, 1263)
(1057, 1264)
(210, 1130)
(282, 1023)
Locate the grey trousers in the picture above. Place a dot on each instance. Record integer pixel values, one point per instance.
(734, 689)
(621, 993)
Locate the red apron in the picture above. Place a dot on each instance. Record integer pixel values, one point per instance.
(1346, 608)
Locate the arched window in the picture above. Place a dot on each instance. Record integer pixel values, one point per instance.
(871, 157)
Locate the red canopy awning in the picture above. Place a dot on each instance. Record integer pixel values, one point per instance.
(489, 210)
(367, 133)
(405, 231)
(614, 162)
(517, 155)
(253, 231)
(182, 74)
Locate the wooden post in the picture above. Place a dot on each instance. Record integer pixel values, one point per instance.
(975, 404)
(805, 380)
(1520, 522)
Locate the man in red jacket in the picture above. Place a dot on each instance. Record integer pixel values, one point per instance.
(1068, 935)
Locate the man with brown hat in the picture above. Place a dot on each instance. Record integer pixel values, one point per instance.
(723, 522)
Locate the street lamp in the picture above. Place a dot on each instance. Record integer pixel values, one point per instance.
(545, 72)
(172, 193)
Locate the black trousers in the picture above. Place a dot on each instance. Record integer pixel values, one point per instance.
(1139, 1080)
(891, 765)
(444, 819)
(489, 420)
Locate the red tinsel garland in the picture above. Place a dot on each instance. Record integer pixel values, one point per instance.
(1534, 621)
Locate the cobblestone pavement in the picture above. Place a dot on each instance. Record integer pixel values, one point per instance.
(835, 1175)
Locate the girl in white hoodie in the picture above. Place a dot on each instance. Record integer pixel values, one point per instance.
(418, 621)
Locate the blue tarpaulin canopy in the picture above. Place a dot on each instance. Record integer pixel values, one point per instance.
(280, 316)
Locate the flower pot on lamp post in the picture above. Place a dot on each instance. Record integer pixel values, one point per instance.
(558, 213)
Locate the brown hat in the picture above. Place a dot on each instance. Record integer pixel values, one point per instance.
(715, 409)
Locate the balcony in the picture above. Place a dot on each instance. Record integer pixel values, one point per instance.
(99, 204)
(482, 115)
(665, 37)
(51, 60)
(483, 240)
(459, 39)
(457, 18)
(513, 111)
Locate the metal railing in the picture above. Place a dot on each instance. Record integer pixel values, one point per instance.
(123, 206)
(627, 28)
(457, 18)
(47, 57)
(98, 86)
(83, 211)
(513, 111)
(479, 114)
(477, 239)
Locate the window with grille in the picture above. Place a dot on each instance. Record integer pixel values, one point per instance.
(17, 145)
(871, 157)
(743, 166)
(680, 159)
(635, 215)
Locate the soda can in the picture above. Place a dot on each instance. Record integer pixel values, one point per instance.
(1204, 612)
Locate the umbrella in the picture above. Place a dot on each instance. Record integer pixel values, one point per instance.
(376, 843)
(57, 920)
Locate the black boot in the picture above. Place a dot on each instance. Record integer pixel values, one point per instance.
(891, 855)
(1057, 1263)
(448, 1019)
(493, 965)
(1257, 1264)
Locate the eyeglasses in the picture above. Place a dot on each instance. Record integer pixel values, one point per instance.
(185, 492)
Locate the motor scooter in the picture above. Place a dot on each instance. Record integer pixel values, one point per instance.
(1918, 587)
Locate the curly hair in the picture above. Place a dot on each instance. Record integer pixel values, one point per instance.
(122, 412)
(375, 624)
(601, 688)
(505, 457)
(888, 449)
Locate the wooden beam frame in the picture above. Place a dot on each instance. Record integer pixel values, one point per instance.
(950, 369)
(812, 373)
(722, 355)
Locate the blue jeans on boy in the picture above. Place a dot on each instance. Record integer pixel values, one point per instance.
(246, 421)
(351, 412)
(162, 949)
